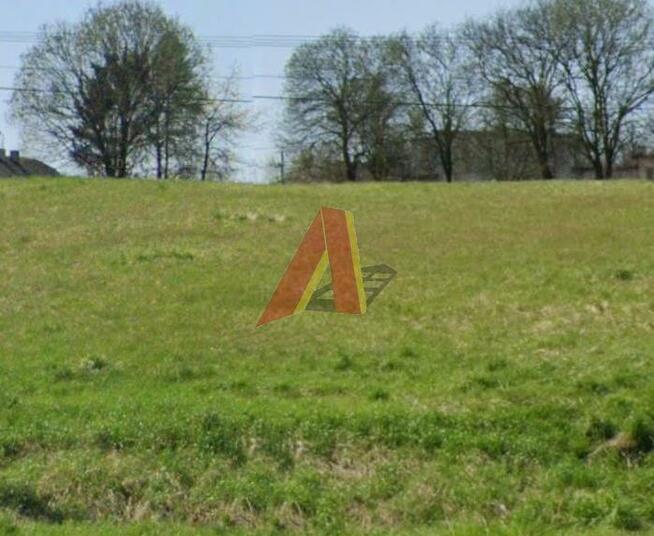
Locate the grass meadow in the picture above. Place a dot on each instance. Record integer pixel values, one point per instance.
(503, 383)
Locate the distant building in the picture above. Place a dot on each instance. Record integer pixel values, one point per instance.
(495, 154)
(639, 165)
(14, 165)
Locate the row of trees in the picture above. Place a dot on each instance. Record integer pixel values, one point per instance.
(127, 90)
(583, 69)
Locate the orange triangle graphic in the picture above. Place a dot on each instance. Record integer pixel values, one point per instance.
(330, 240)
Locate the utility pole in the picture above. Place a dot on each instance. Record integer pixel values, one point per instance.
(281, 167)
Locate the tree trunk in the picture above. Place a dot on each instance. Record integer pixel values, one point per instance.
(448, 164)
(351, 171)
(350, 166)
(159, 161)
(205, 159)
(109, 169)
(541, 143)
(166, 141)
(545, 169)
(121, 168)
(123, 145)
(166, 157)
(608, 172)
(599, 170)
(447, 160)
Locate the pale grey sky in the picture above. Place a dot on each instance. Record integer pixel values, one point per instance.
(259, 65)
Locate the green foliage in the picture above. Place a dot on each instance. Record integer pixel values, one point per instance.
(140, 74)
(641, 431)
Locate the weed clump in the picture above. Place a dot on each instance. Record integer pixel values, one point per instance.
(624, 275)
(24, 500)
(641, 432)
(625, 517)
(344, 363)
(222, 436)
(601, 430)
(94, 364)
(380, 395)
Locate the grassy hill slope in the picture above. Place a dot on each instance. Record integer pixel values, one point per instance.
(503, 381)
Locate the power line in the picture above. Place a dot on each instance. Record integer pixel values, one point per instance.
(278, 40)
(282, 98)
(241, 41)
(38, 90)
(217, 77)
(404, 103)
(254, 76)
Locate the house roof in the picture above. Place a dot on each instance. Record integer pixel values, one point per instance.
(24, 167)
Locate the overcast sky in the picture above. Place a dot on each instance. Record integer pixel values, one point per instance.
(258, 65)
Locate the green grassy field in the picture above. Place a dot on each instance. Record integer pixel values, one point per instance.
(501, 384)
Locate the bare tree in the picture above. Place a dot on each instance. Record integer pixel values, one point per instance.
(435, 71)
(512, 56)
(221, 120)
(332, 91)
(605, 50)
(383, 131)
